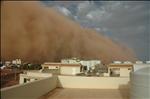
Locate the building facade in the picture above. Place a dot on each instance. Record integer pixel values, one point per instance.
(88, 63)
(62, 68)
(120, 69)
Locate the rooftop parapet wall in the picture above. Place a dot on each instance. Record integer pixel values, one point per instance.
(35, 89)
(93, 82)
(32, 90)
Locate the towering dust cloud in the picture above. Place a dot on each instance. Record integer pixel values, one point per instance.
(36, 33)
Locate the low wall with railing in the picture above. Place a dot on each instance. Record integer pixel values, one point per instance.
(32, 90)
(93, 82)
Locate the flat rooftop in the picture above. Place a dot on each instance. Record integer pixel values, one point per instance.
(69, 93)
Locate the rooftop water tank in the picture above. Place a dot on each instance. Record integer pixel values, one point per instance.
(147, 62)
(140, 83)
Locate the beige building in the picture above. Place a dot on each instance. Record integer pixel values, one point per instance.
(70, 69)
(49, 65)
(31, 76)
(63, 68)
(120, 69)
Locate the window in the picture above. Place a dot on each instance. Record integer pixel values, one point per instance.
(129, 68)
(45, 67)
(25, 80)
(115, 72)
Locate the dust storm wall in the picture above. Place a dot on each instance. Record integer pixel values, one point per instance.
(36, 33)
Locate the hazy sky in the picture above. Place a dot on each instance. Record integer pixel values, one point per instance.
(127, 22)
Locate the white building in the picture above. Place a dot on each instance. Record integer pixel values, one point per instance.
(70, 61)
(2, 67)
(7, 63)
(139, 62)
(16, 62)
(147, 62)
(117, 62)
(138, 66)
(88, 63)
(127, 62)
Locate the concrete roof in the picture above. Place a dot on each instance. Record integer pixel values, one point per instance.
(120, 65)
(87, 94)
